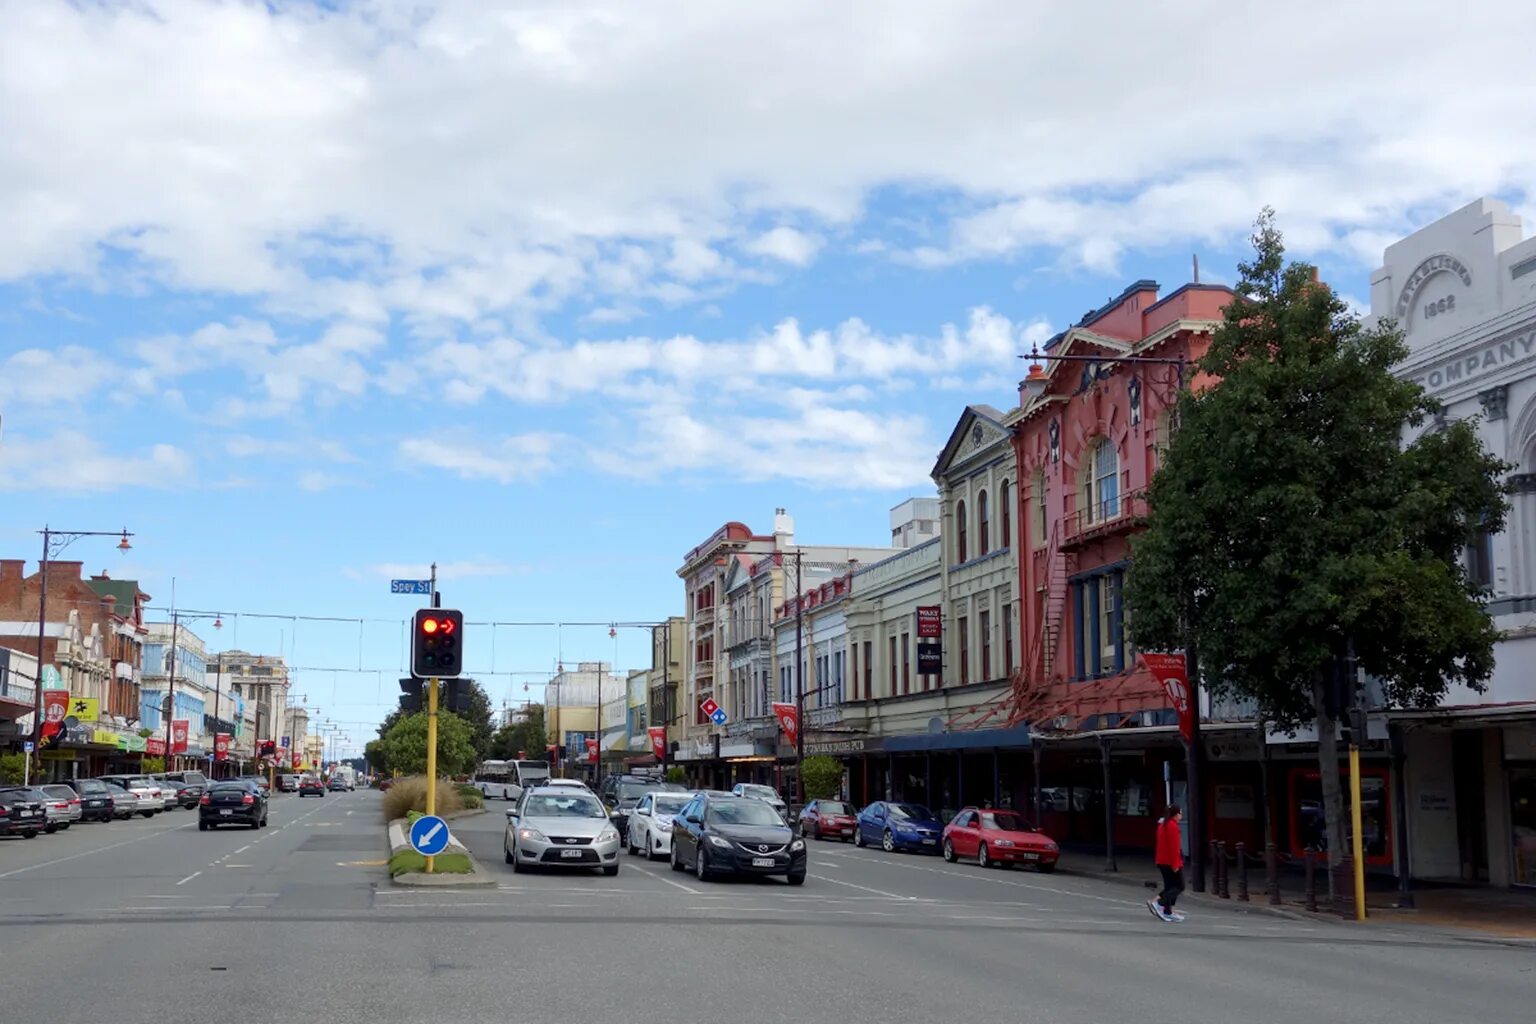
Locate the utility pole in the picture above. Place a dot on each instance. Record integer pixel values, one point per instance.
(170, 685)
(432, 738)
(799, 681)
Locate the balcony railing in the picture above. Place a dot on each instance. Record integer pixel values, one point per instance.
(1105, 518)
(16, 693)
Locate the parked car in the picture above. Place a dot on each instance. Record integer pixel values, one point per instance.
(311, 785)
(21, 814)
(560, 826)
(287, 783)
(235, 802)
(188, 783)
(125, 802)
(622, 793)
(63, 804)
(998, 837)
(151, 798)
(897, 826)
(183, 794)
(828, 819)
(730, 834)
(96, 800)
(649, 829)
(767, 794)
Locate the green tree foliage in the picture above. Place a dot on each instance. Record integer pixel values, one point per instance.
(677, 775)
(527, 736)
(823, 776)
(152, 765)
(479, 718)
(1289, 521)
(404, 748)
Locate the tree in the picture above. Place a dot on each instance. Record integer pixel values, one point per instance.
(527, 735)
(823, 776)
(478, 716)
(1291, 529)
(405, 747)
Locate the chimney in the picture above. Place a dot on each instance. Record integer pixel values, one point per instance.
(11, 568)
(64, 571)
(783, 528)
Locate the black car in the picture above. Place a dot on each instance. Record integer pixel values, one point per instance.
(621, 793)
(188, 794)
(717, 833)
(96, 803)
(21, 814)
(234, 802)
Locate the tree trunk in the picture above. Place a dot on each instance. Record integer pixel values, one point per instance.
(1328, 769)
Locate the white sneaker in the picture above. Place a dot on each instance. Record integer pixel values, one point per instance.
(1152, 906)
(1174, 915)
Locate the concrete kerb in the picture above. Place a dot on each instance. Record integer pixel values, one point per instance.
(1206, 900)
(396, 840)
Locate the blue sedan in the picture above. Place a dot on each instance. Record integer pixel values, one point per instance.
(895, 826)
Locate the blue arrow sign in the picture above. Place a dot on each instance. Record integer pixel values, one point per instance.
(410, 587)
(719, 717)
(429, 836)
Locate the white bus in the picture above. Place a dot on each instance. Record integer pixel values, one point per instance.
(506, 780)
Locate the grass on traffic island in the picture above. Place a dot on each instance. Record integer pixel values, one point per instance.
(443, 864)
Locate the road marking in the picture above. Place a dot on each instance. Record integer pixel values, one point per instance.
(239, 865)
(242, 849)
(189, 878)
(87, 853)
(865, 888)
(664, 878)
(985, 878)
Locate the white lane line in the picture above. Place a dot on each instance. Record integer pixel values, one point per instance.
(189, 878)
(984, 878)
(865, 888)
(87, 853)
(664, 878)
(242, 849)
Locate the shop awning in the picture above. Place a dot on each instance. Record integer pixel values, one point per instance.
(981, 739)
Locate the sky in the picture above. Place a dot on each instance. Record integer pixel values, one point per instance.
(309, 295)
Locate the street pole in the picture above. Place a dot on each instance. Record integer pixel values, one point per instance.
(1193, 795)
(37, 695)
(218, 685)
(799, 682)
(431, 752)
(170, 690)
(1357, 841)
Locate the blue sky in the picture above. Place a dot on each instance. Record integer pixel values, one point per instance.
(546, 292)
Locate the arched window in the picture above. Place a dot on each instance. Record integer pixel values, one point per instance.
(1006, 510)
(1037, 506)
(960, 531)
(983, 525)
(1101, 489)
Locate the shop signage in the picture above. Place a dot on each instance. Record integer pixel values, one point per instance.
(1170, 670)
(221, 746)
(154, 747)
(85, 709)
(55, 709)
(592, 751)
(1495, 355)
(1439, 264)
(851, 745)
(78, 735)
(104, 737)
(930, 622)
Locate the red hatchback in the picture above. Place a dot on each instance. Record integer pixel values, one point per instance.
(828, 819)
(998, 837)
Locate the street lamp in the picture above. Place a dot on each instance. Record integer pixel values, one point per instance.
(170, 686)
(1037, 379)
(55, 541)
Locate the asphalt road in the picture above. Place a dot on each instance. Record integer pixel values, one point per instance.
(153, 921)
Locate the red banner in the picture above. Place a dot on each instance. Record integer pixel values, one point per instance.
(1172, 671)
(55, 708)
(789, 719)
(930, 622)
(221, 746)
(522, 755)
(592, 751)
(658, 741)
(180, 727)
(154, 747)
(298, 760)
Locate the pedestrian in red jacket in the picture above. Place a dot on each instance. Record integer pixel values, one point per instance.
(1170, 862)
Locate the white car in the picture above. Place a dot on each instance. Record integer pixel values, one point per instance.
(567, 784)
(650, 823)
(767, 794)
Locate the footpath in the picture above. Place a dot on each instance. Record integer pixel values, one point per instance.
(1465, 912)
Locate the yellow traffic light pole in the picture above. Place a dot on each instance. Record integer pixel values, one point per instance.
(1357, 842)
(432, 754)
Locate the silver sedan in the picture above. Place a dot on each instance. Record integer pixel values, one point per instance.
(561, 827)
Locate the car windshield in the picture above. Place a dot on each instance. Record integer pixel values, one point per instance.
(742, 812)
(573, 806)
(90, 786)
(670, 804)
(635, 790)
(833, 807)
(1006, 821)
(759, 792)
(63, 792)
(913, 812)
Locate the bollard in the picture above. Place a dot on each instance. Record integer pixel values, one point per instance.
(1242, 872)
(1344, 887)
(1272, 873)
(1311, 892)
(1221, 871)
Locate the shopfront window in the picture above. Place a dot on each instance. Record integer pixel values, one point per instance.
(1309, 827)
(1522, 820)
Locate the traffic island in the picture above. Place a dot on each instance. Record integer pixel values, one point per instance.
(455, 866)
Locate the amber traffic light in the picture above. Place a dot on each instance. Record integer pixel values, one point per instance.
(437, 650)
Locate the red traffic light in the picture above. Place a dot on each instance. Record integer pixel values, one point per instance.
(429, 625)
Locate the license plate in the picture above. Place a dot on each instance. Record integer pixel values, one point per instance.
(226, 813)
(762, 862)
(929, 842)
(27, 814)
(1029, 856)
(571, 854)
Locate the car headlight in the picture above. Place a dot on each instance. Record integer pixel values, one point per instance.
(664, 826)
(797, 846)
(1051, 845)
(608, 835)
(724, 844)
(533, 835)
(1003, 842)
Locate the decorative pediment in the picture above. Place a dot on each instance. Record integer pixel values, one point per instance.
(979, 433)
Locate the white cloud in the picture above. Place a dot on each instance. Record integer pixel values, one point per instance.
(511, 459)
(246, 446)
(786, 244)
(71, 462)
(43, 377)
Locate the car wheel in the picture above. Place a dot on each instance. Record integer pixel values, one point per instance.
(888, 842)
(202, 826)
(263, 821)
(983, 858)
(1045, 869)
(797, 879)
(65, 827)
(629, 844)
(518, 867)
(858, 837)
(50, 829)
(506, 851)
(949, 851)
(700, 865)
(148, 814)
(610, 870)
(677, 865)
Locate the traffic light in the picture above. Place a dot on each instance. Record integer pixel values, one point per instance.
(436, 650)
(268, 748)
(410, 701)
(456, 694)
